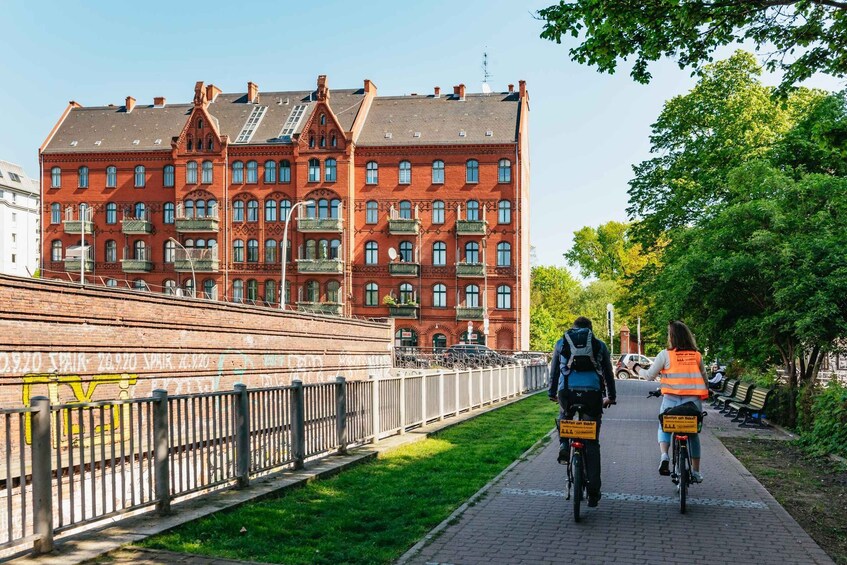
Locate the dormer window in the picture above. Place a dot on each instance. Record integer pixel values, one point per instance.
(311, 141)
(190, 144)
(333, 140)
(323, 119)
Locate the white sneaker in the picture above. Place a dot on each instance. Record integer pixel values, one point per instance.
(696, 477)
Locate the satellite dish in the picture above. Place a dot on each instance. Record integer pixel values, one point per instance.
(392, 253)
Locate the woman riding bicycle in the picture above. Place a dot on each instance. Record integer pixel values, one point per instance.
(683, 379)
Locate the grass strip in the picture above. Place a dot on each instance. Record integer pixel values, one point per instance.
(812, 489)
(376, 511)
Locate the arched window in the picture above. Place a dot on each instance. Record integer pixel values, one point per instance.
(330, 170)
(333, 140)
(472, 296)
(406, 251)
(191, 172)
(439, 296)
(371, 253)
(372, 173)
(199, 124)
(169, 287)
(238, 290)
(313, 291)
(56, 213)
(335, 208)
(439, 343)
(200, 243)
(323, 208)
(140, 211)
(55, 177)
(323, 119)
(323, 141)
(270, 210)
(405, 210)
(270, 251)
(472, 171)
(111, 213)
(252, 172)
(238, 251)
(252, 250)
(190, 144)
(168, 212)
(111, 251)
(311, 249)
(311, 210)
(170, 251)
(504, 254)
(314, 170)
(210, 145)
(438, 212)
(252, 290)
(237, 172)
(371, 212)
(200, 207)
(335, 249)
(473, 210)
(189, 209)
(438, 172)
(405, 172)
(332, 294)
(371, 294)
(323, 249)
(311, 141)
(270, 171)
(407, 294)
(504, 297)
(168, 176)
(252, 210)
(439, 253)
(238, 211)
(83, 177)
(140, 177)
(284, 209)
(140, 251)
(284, 172)
(504, 212)
(209, 290)
(472, 252)
(112, 176)
(504, 171)
(56, 250)
(405, 337)
(207, 172)
(270, 291)
(139, 284)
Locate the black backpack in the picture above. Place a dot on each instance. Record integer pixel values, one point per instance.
(581, 349)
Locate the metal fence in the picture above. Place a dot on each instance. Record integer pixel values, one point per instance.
(72, 464)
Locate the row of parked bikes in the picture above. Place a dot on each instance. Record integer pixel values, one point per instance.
(463, 356)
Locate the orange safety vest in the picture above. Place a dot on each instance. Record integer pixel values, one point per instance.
(683, 377)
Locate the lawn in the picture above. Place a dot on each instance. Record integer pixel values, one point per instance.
(374, 512)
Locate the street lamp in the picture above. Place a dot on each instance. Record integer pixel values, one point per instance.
(190, 262)
(284, 252)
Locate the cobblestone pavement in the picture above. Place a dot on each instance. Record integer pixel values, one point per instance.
(524, 518)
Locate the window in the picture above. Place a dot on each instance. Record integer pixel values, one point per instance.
(504, 254)
(323, 249)
(170, 251)
(439, 343)
(405, 172)
(191, 172)
(270, 171)
(311, 246)
(472, 171)
(199, 124)
(168, 176)
(504, 297)
(371, 253)
(55, 177)
(473, 211)
(405, 210)
(139, 284)
(472, 296)
(56, 250)
(323, 208)
(310, 210)
(168, 212)
(140, 177)
(112, 176)
(83, 177)
(371, 212)
(504, 212)
(284, 209)
(209, 291)
(332, 288)
(252, 250)
(438, 172)
(371, 294)
(270, 251)
(170, 287)
(139, 251)
(200, 207)
(335, 208)
(406, 251)
(439, 253)
(323, 119)
(504, 171)
(314, 170)
(207, 172)
(55, 213)
(252, 290)
(284, 172)
(111, 251)
(471, 252)
(210, 145)
(238, 290)
(238, 251)
(329, 170)
(190, 144)
(333, 140)
(238, 173)
(252, 174)
(439, 296)
(287, 252)
(270, 210)
(111, 213)
(438, 212)
(313, 291)
(238, 211)
(140, 211)
(372, 173)
(270, 292)
(335, 249)
(252, 210)
(407, 293)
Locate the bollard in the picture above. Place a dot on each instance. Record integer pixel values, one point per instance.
(162, 462)
(42, 476)
(242, 436)
(298, 424)
(341, 411)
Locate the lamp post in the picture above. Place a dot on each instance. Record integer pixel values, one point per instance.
(190, 262)
(284, 253)
(83, 212)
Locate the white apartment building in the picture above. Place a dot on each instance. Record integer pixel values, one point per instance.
(19, 221)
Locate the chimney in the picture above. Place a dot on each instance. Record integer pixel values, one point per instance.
(159, 101)
(522, 88)
(369, 86)
(252, 92)
(456, 90)
(323, 91)
(461, 92)
(130, 104)
(212, 92)
(511, 88)
(438, 92)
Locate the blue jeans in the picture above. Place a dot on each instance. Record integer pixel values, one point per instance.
(669, 401)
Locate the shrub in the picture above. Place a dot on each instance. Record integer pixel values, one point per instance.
(827, 432)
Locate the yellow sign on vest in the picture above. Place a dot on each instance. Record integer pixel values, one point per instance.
(680, 424)
(578, 429)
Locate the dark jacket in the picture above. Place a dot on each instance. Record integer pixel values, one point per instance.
(603, 357)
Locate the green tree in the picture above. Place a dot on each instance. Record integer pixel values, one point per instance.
(606, 252)
(803, 37)
(553, 304)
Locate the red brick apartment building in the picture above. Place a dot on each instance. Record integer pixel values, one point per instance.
(412, 207)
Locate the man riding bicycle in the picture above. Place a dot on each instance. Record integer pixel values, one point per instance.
(581, 373)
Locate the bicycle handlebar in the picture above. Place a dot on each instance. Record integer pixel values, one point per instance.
(654, 393)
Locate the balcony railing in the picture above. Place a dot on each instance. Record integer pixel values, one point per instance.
(403, 226)
(403, 269)
(470, 227)
(469, 313)
(334, 308)
(203, 260)
(197, 225)
(320, 266)
(137, 265)
(136, 226)
(470, 270)
(72, 265)
(75, 227)
(325, 225)
(409, 311)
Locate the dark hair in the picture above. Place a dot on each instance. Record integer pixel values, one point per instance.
(680, 337)
(583, 322)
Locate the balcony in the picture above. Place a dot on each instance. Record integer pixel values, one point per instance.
(465, 270)
(469, 313)
(333, 308)
(197, 225)
(403, 269)
(320, 266)
(75, 227)
(73, 265)
(203, 260)
(320, 225)
(136, 226)
(470, 227)
(403, 226)
(137, 265)
(408, 311)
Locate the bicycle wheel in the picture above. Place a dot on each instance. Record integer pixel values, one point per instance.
(576, 465)
(684, 477)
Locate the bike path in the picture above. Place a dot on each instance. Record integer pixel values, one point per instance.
(524, 517)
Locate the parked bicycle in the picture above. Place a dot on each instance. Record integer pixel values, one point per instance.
(577, 431)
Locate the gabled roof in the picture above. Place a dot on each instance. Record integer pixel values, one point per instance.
(14, 177)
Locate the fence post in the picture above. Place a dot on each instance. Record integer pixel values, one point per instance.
(42, 475)
(481, 386)
(341, 410)
(423, 399)
(470, 389)
(375, 407)
(441, 393)
(402, 407)
(298, 424)
(457, 379)
(161, 450)
(242, 435)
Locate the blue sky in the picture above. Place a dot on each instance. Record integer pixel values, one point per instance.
(586, 129)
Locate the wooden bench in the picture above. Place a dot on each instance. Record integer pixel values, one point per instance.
(741, 396)
(728, 391)
(720, 389)
(750, 412)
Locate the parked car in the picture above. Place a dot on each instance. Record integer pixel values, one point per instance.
(628, 365)
(472, 355)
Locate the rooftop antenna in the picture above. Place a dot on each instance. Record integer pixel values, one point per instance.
(486, 89)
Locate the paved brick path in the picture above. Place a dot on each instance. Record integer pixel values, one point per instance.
(524, 518)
